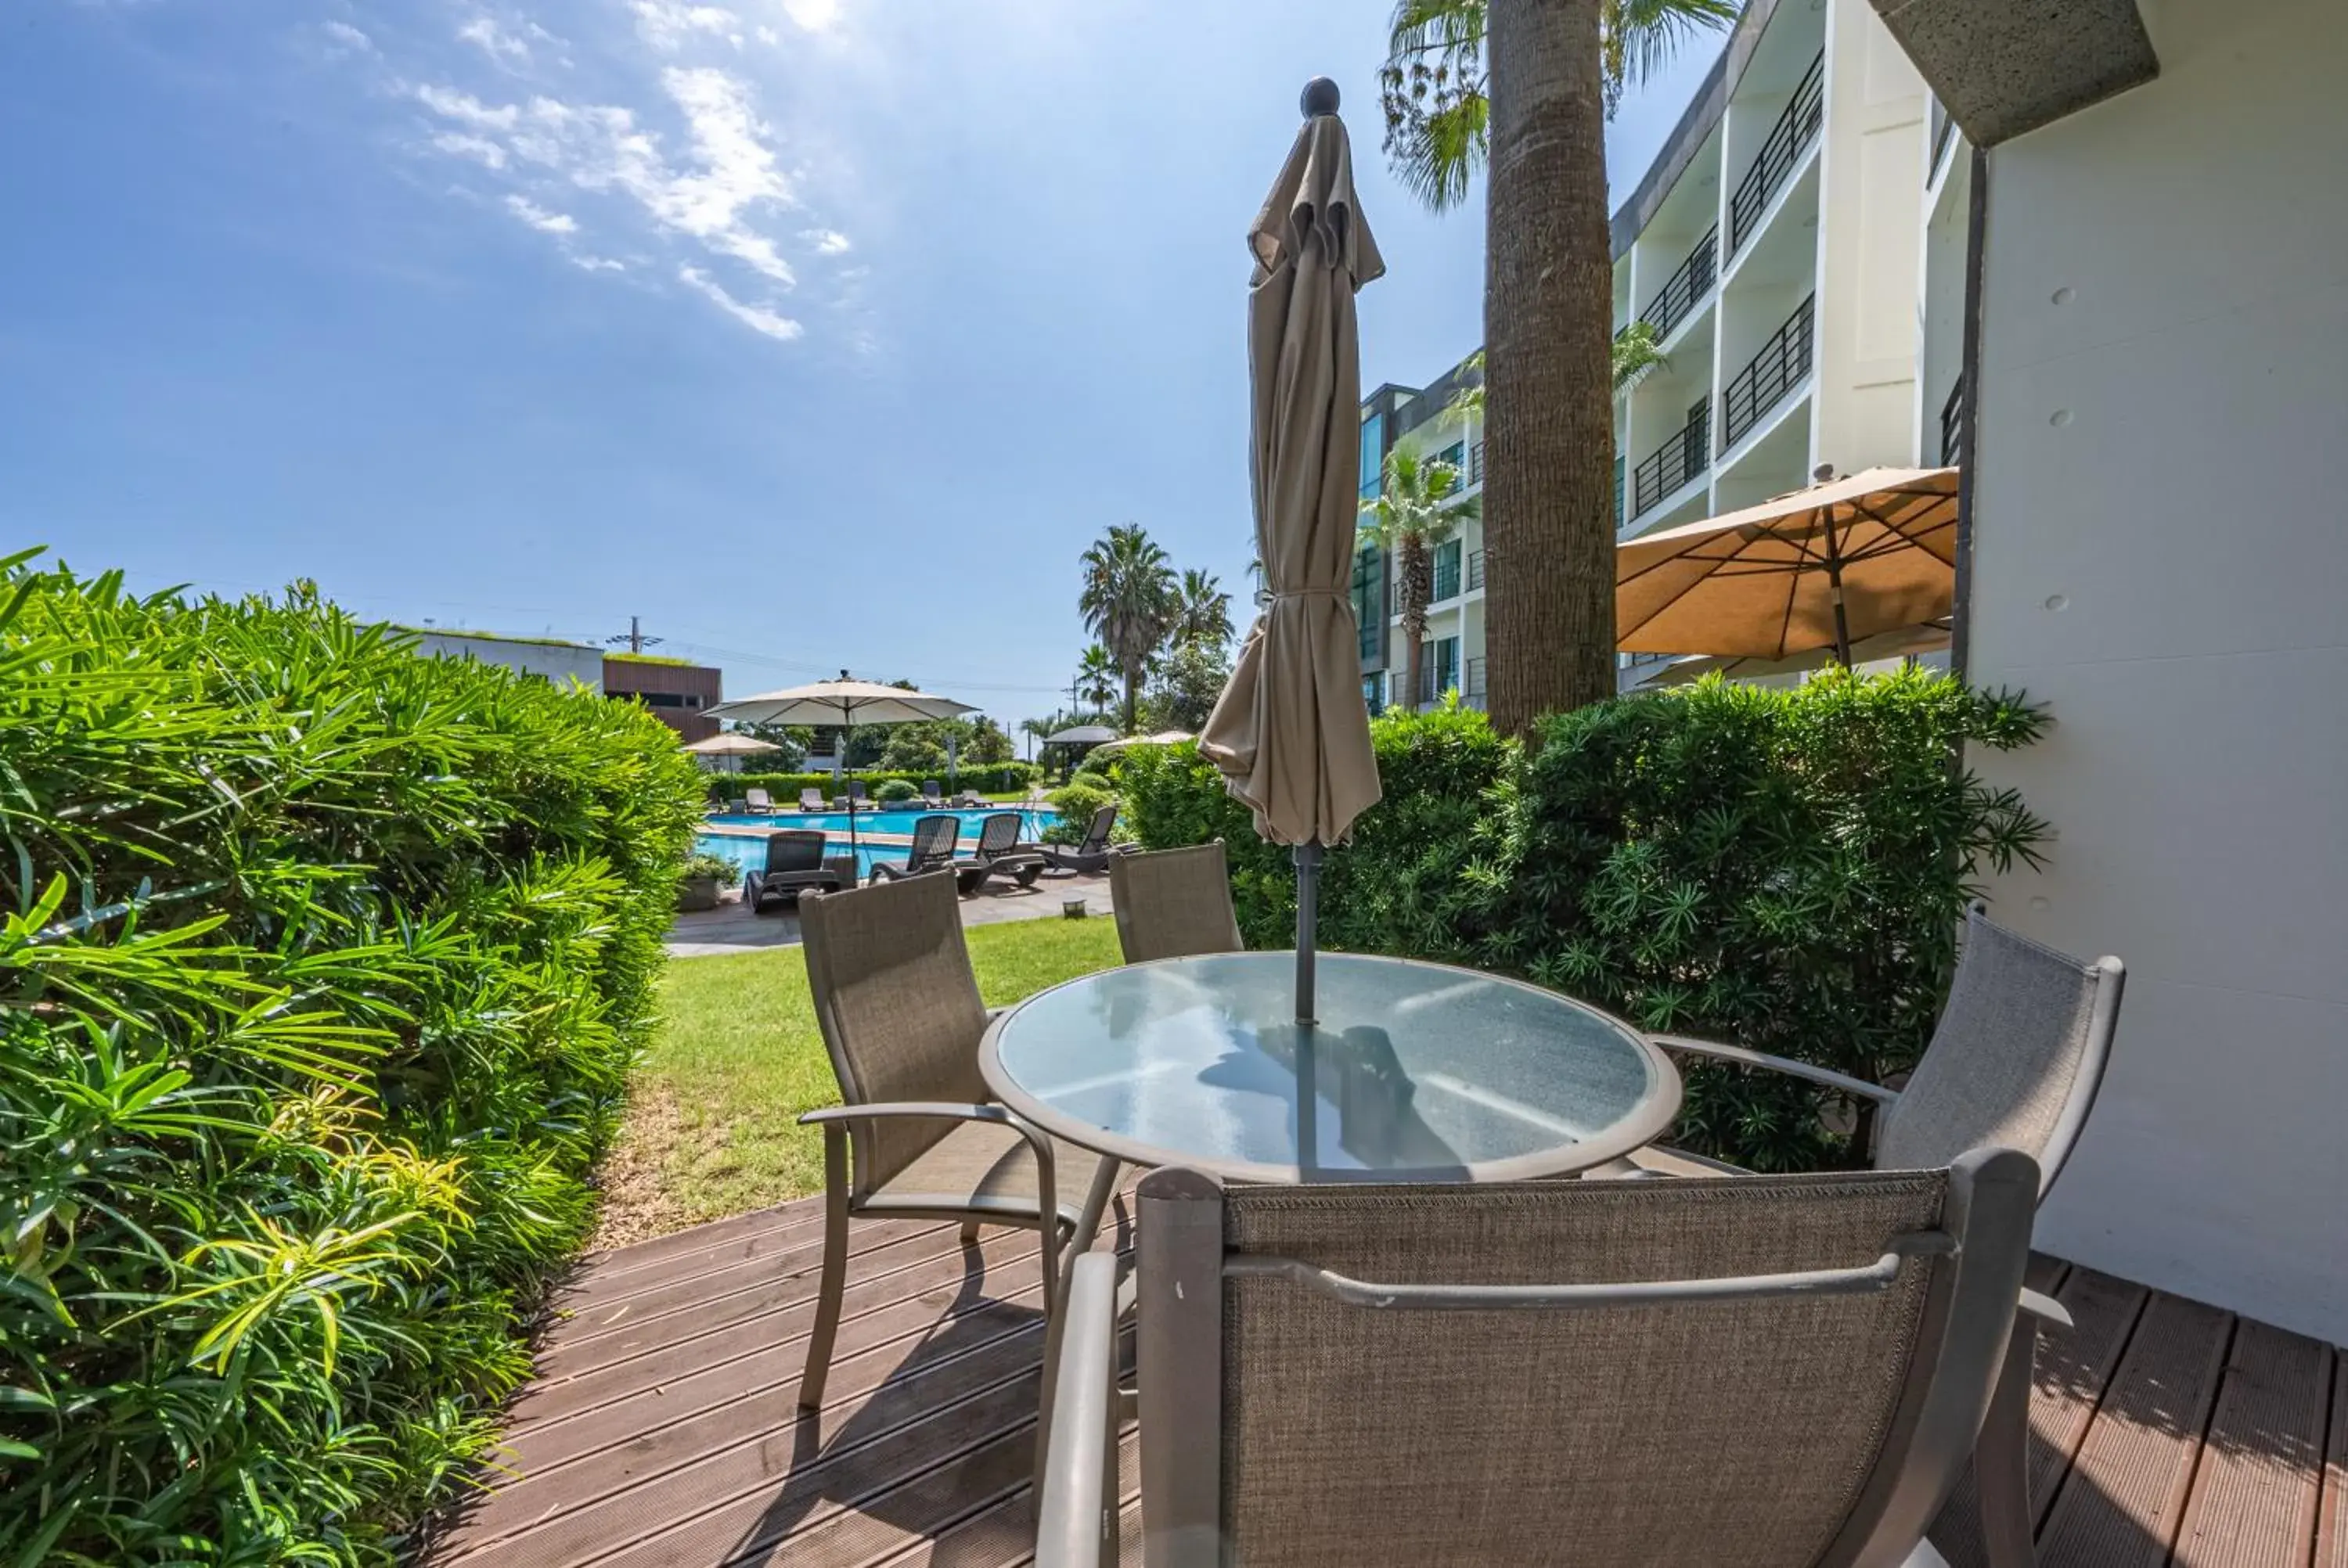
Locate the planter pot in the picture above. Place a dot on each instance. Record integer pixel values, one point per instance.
(697, 893)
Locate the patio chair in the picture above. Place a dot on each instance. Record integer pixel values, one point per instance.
(795, 864)
(761, 802)
(999, 854)
(737, 806)
(931, 795)
(973, 800)
(1173, 903)
(914, 1137)
(811, 799)
(934, 838)
(855, 795)
(1774, 1372)
(2016, 1059)
(1090, 854)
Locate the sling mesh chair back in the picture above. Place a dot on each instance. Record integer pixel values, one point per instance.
(1773, 1372)
(1173, 903)
(915, 1137)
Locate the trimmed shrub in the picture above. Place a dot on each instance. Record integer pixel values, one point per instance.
(1076, 800)
(994, 778)
(325, 967)
(894, 790)
(1784, 869)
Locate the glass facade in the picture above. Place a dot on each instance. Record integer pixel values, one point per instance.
(1374, 455)
(1370, 603)
(1374, 694)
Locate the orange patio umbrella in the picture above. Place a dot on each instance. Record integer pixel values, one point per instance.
(1823, 568)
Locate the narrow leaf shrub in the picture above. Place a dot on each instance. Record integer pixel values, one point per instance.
(1783, 869)
(322, 966)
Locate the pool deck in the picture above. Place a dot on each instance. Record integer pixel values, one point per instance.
(732, 929)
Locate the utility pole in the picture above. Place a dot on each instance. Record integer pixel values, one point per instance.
(634, 638)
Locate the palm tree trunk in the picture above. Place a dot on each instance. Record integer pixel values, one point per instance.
(1549, 306)
(1412, 571)
(1132, 698)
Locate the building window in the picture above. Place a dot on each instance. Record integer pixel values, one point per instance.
(1446, 572)
(662, 700)
(1374, 455)
(1369, 602)
(1374, 694)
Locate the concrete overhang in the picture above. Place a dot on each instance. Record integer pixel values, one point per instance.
(2002, 68)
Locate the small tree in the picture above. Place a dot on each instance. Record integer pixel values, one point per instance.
(1096, 677)
(1184, 685)
(1204, 614)
(1415, 512)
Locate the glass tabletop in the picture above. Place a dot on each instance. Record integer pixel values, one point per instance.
(1413, 1071)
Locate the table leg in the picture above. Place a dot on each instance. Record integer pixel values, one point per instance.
(1089, 1224)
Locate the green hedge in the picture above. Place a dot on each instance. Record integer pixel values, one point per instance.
(993, 779)
(1781, 869)
(324, 965)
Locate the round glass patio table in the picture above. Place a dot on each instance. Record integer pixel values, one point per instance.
(1414, 1072)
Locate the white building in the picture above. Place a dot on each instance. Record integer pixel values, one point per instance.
(1776, 246)
(550, 658)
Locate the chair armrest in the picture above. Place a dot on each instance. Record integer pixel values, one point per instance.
(1076, 1517)
(1825, 1077)
(2048, 1311)
(835, 1120)
(948, 1110)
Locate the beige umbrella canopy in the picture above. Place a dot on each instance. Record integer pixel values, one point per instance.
(1290, 732)
(1819, 569)
(1162, 738)
(732, 744)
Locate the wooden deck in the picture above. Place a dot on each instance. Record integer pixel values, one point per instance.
(664, 1428)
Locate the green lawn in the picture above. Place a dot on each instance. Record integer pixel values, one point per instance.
(737, 1056)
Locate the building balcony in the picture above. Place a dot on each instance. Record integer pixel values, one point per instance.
(1781, 150)
(1773, 371)
(1685, 288)
(1684, 454)
(1474, 571)
(1445, 583)
(1471, 689)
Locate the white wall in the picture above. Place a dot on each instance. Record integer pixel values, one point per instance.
(557, 661)
(2162, 554)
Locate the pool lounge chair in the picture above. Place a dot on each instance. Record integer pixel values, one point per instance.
(1092, 855)
(795, 864)
(1782, 1369)
(761, 802)
(811, 799)
(973, 799)
(999, 854)
(737, 806)
(931, 795)
(934, 838)
(857, 798)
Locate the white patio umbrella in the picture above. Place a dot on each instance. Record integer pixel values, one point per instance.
(1162, 738)
(1291, 733)
(845, 704)
(1081, 735)
(730, 747)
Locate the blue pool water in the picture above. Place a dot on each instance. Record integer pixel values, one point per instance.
(745, 852)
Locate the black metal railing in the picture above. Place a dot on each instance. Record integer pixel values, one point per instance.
(1621, 470)
(1684, 454)
(1447, 575)
(1472, 691)
(1686, 287)
(1956, 421)
(1475, 465)
(1780, 150)
(1474, 571)
(1943, 133)
(1768, 375)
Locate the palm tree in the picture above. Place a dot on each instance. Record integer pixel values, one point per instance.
(1096, 677)
(1204, 614)
(1414, 512)
(1536, 118)
(1634, 354)
(1131, 602)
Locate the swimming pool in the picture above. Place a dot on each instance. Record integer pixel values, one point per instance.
(746, 849)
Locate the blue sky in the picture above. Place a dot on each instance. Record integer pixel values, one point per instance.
(816, 333)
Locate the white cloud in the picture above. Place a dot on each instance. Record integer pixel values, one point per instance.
(466, 110)
(479, 148)
(738, 171)
(343, 39)
(667, 24)
(540, 218)
(506, 48)
(767, 34)
(597, 265)
(815, 16)
(756, 317)
(827, 242)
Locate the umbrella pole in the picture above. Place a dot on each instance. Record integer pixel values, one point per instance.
(1308, 919)
(1834, 592)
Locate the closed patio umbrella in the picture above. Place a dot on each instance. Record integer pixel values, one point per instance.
(1291, 733)
(1819, 569)
(843, 703)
